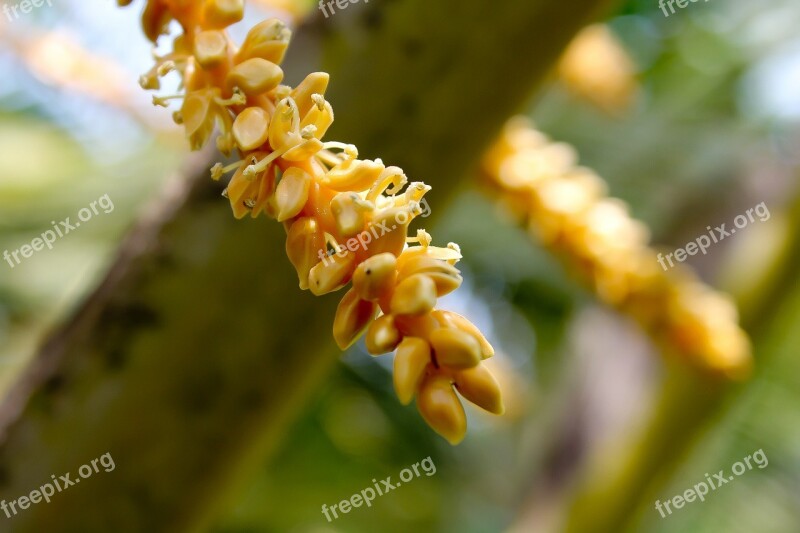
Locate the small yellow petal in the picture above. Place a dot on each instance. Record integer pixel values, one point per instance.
(462, 323)
(446, 277)
(382, 335)
(255, 76)
(251, 128)
(442, 410)
(412, 358)
(353, 175)
(375, 277)
(314, 83)
(391, 228)
(304, 245)
(350, 212)
(331, 274)
(320, 116)
(479, 387)
(352, 318)
(197, 118)
(455, 348)
(210, 48)
(292, 193)
(283, 127)
(266, 40)
(415, 295)
(222, 13)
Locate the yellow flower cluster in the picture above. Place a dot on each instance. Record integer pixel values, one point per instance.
(346, 219)
(597, 68)
(568, 209)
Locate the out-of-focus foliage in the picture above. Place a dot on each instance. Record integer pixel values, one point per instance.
(712, 133)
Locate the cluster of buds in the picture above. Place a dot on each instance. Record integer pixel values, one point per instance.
(596, 67)
(567, 208)
(346, 219)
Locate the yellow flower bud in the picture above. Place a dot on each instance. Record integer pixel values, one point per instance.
(320, 116)
(222, 13)
(375, 277)
(353, 175)
(240, 191)
(314, 83)
(415, 295)
(352, 317)
(255, 76)
(412, 359)
(266, 40)
(198, 121)
(479, 387)
(462, 323)
(391, 228)
(251, 128)
(331, 274)
(446, 277)
(292, 193)
(283, 127)
(442, 410)
(350, 210)
(382, 335)
(210, 48)
(304, 244)
(455, 348)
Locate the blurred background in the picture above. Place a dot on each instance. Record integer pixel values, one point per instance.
(712, 129)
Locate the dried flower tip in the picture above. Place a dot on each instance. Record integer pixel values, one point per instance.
(217, 171)
(412, 359)
(149, 83)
